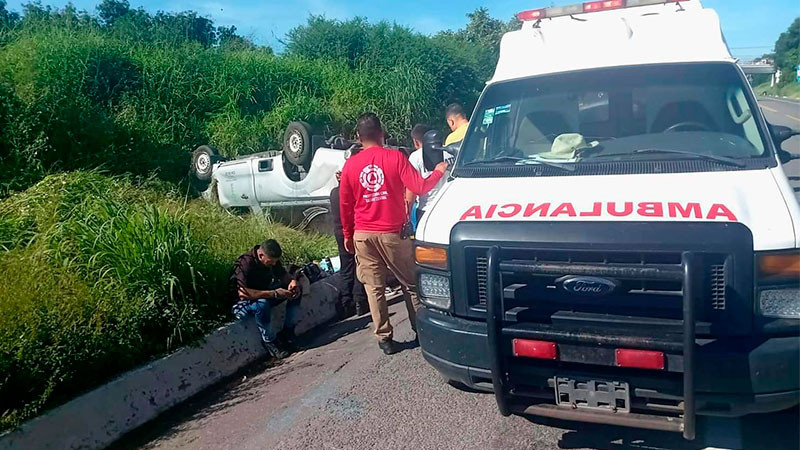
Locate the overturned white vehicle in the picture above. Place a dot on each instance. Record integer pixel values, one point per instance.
(295, 181)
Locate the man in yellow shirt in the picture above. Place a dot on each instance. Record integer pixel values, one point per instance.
(457, 121)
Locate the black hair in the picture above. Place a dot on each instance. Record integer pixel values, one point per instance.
(419, 130)
(455, 109)
(272, 248)
(370, 128)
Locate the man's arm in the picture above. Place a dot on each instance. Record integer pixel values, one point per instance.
(414, 182)
(410, 199)
(347, 204)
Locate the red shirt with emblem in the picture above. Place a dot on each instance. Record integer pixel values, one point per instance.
(372, 190)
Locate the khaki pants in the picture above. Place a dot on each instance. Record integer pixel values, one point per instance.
(377, 253)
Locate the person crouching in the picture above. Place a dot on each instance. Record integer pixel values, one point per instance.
(258, 285)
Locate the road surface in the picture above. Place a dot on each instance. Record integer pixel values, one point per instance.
(787, 113)
(341, 392)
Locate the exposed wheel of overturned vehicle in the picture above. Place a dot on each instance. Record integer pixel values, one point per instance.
(203, 159)
(297, 144)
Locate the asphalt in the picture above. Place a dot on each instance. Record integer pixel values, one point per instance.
(341, 392)
(786, 112)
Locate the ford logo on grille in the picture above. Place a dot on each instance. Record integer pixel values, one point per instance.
(587, 286)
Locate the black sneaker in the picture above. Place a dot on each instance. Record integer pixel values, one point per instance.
(388, 346)
(274, 349)
(362, 308)
(287, 340)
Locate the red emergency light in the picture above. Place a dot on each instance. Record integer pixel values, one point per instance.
(588, 7)
(640, 359)
(532, 14)
(527, 348)
(603, 6)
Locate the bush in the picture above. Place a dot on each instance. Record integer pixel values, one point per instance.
(100, 274)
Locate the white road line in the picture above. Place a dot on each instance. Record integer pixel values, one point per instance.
(775, 99)
(769, 109)
(793, 118)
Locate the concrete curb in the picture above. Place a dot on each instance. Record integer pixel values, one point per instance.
(98, 418)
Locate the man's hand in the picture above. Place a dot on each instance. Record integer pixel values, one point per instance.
(442, 167)
(284, 293)
(348, 245)
(294, 288)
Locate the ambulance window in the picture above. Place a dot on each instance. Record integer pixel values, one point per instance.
(696, 108)
(593, 107)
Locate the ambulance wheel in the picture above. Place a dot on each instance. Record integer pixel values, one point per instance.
(297, 144)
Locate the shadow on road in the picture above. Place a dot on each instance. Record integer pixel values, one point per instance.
(779, 431)
(236, 390)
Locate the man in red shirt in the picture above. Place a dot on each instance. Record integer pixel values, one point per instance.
(373, 212)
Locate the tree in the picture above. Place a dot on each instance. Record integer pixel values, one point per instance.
(111, 10)
(7, 18)
(787, 51)
(184, 26)
(227, 39)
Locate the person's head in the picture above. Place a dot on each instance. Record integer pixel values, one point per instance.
(417, 132)
(455, 116)
(370, 130)
(269, 253)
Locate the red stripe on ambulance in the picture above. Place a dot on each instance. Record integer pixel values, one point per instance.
(673, 210)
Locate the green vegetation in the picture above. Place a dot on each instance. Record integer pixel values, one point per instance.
(787, 59)
(134, 92)
(791, 90)
(100, 274)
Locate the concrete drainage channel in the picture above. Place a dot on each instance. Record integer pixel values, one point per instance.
(99, 417)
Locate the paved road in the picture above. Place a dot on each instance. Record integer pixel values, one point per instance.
(787, 113)
(342, 393)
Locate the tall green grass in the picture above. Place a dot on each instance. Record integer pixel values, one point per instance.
(100, 274)
(79, 97)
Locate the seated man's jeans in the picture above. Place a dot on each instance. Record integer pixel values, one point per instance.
(268, 317)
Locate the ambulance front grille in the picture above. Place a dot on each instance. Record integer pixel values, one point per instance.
(716, 276)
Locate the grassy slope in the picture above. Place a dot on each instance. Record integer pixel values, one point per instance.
(791, 90)
(100, 274)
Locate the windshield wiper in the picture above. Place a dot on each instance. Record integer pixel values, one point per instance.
(533, 162)
(642, 151)
(522, 161)
(496, 159)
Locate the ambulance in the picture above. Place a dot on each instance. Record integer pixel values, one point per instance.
(617, 241)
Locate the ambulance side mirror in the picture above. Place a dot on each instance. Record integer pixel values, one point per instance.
(781, 134)
(432, 149)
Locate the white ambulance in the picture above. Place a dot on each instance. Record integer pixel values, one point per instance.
(617, 242)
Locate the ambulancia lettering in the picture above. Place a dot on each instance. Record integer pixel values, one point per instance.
(672, 210)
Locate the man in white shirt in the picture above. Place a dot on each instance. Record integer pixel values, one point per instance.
(416, 161)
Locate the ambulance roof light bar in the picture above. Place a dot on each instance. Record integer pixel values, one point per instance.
(587, 7)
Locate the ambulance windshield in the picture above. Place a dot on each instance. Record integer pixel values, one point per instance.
(655, 112)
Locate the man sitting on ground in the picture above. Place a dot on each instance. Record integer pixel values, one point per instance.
(258, 285)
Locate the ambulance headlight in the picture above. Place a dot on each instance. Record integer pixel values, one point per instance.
(779, 284)
(434, 290)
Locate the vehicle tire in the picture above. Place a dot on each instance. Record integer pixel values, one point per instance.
(297, 144)
(203, 159)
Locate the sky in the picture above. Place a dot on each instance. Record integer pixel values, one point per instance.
(750, 26)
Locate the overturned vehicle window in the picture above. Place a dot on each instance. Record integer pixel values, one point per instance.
(685, 111)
